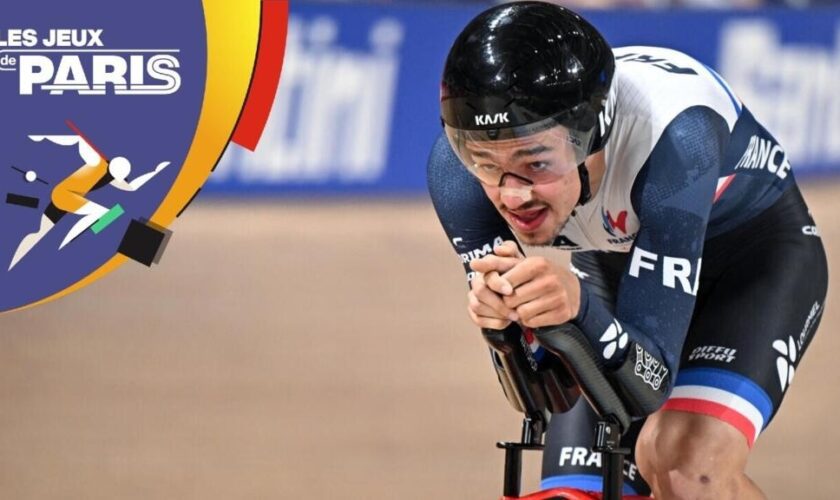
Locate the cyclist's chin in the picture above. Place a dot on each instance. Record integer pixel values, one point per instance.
(542, 239)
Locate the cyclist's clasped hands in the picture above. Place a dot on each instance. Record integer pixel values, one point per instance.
(532, 291)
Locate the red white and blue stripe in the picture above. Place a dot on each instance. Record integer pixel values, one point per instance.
(536, 349)
(725, 395)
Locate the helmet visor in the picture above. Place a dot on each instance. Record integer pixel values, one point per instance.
(541, 152)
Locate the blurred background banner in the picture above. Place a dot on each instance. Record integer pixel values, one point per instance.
(356, 112)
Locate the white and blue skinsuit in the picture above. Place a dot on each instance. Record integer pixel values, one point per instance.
(696, 241)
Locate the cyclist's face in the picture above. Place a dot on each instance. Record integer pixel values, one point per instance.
(538, 210)
(542, 157)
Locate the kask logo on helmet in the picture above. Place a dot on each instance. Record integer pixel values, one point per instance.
(495, 119)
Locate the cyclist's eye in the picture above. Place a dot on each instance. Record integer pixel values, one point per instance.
(488, 168)
(538, 166)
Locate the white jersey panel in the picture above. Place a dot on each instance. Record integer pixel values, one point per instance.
(651, 86)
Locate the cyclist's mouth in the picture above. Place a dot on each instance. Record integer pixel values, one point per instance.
(528, 221)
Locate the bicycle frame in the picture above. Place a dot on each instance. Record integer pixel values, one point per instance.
(568, 344)
(607, 439)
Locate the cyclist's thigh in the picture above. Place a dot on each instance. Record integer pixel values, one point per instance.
(760, 302)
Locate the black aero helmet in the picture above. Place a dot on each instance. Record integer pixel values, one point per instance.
(524, 67)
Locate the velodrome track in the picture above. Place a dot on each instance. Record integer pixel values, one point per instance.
(297, 350)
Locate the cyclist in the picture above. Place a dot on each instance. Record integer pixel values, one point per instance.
(698, 274)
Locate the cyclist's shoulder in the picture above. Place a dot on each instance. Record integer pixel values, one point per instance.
(653, 85)
(660, 64)
(625, 52)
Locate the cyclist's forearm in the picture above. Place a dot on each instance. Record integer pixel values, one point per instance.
(641, 370)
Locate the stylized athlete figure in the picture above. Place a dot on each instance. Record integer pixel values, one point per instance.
(70, 195)
(698, 274)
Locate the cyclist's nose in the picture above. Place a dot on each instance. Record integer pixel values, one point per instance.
(515, 191)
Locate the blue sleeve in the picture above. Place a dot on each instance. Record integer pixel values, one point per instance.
(471, 222)
(673, 197)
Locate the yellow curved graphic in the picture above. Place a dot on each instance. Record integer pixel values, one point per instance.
(232, 38)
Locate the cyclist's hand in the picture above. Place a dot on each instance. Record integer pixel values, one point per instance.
(502, 260)
(543, 294)
(486, 308)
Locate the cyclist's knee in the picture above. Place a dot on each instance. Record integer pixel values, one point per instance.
(686, 455)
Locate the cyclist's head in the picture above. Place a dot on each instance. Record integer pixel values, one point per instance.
(526, 73)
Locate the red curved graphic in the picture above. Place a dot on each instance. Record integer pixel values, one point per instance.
(270, 52)
(78, 132)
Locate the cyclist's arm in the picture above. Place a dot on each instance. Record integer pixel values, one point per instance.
(672, 196)
(470, 221)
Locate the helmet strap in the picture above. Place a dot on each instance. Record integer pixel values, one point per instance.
(585, 189)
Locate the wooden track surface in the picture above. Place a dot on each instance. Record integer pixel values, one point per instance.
(297, 350)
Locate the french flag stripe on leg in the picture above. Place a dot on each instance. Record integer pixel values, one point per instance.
(730, 382)
(721, 404)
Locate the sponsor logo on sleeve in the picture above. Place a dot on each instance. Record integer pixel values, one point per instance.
(477, 253)
(650, 369)
(614, 338)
